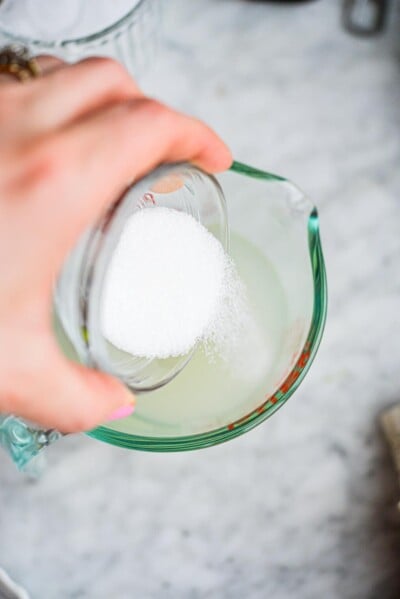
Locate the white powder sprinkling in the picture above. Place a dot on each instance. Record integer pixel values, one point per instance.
(234, 335)
(165, 285)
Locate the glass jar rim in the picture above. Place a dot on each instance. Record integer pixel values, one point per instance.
(93, 37)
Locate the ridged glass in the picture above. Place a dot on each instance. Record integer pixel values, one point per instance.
(132, 39)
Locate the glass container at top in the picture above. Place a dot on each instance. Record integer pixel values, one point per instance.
(126, 30)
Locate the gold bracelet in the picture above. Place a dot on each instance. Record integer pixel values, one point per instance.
(16, 60)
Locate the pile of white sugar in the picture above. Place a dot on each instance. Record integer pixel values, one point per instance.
(166, 285)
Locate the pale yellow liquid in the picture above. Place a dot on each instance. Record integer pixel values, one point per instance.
(209, 392)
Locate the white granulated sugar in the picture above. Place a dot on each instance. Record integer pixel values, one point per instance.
(165, 285)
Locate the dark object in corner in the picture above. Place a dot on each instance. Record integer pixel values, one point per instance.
(282, 1)
(364, 17)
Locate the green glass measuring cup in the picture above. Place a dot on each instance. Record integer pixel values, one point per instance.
(126, 30)
(275, 243)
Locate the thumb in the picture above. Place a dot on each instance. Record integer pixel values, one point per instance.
(72, 398)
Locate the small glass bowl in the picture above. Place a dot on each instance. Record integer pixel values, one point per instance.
(132, 38)
(281, 226)
(79, 290)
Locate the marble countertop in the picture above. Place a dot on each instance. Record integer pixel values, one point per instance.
(303, 506)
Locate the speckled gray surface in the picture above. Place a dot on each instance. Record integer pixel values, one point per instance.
(304, 506)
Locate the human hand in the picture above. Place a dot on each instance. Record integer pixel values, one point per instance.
(70, 143)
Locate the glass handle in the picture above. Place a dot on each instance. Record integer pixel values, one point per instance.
(22, 441)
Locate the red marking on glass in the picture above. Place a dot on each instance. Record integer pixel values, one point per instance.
(305, 356)
(284, 388)
(292, 378)
(231, 426)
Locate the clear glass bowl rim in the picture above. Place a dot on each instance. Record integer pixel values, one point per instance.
(272, 403)
(48, 45)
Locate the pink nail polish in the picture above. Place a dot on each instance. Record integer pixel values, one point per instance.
(122, 413)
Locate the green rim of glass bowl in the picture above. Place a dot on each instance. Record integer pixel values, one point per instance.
(136, 11)
(289, 385)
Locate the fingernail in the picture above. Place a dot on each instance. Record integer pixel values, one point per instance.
(122, 413)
